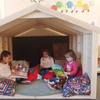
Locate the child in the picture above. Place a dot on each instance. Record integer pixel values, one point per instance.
(45, 63)
(71, 66)
(5, 71)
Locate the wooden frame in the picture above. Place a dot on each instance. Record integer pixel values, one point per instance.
(82, 37)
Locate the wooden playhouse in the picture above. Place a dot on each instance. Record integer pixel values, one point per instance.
(83, 38)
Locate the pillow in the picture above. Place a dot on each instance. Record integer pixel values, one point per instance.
(78, 85)
(7, 87)
(32, 76)
(49, 75)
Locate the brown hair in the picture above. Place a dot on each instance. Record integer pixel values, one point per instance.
(72, 54)
(45, 50)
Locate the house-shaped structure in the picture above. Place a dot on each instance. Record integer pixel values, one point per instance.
(83, 37)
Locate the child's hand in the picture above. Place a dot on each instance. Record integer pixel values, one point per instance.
(67, 73)
(41, 66)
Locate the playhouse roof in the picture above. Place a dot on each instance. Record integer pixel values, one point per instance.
(40, 16)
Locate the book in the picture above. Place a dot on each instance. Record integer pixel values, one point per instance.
(58, 70)
(19, 69)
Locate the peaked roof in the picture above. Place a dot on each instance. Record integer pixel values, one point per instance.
(68, 22)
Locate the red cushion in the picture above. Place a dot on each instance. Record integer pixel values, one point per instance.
(79, 73)
(49, 75)
(32, 76)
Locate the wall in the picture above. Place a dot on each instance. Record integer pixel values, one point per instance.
(11, 6)
(29, 48)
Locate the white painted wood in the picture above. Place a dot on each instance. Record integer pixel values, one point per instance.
(55, 96)
(37, 14)
(84, 54)
(94, 65)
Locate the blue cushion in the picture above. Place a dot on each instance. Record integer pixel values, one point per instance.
(7, 87)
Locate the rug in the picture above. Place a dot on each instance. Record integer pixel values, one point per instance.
(36, 88)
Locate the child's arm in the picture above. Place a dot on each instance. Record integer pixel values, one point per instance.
(41, 63)
(52, 61)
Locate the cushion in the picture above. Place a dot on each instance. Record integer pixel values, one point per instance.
(79, 85)
(49, 75)
(7, 87)
(32, 76)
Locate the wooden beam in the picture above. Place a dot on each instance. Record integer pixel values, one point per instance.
(61, 26)
(69, 19)
(94, 65)
(21, 29)
(70, 42)
(5, 43)
(69, 26)
(1, 45)
(75, 43)
(79, 50)
(57, 29)
(10, 47)
(57, 26)
(17, 27)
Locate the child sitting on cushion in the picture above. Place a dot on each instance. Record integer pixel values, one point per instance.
(45, 62)
(71, 68)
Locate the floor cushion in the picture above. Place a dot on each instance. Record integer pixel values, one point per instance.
(49, 75)
(7, 87)
(77, 86)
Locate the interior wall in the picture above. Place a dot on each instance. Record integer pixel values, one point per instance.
(40, 32)
(30, 48)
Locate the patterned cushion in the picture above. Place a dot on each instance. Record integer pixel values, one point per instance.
(78, 85)
(7, 87)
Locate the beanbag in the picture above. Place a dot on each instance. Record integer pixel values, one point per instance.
(49, 75)
(32, 76)
(7, 87)
(78, 85)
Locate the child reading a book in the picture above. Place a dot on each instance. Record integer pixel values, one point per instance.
(5, 71)
(71, 66)
(45, 62)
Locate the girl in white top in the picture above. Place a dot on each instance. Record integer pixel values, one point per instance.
(45, 62)
(5, 71)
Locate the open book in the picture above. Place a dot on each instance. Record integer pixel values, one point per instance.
(58, 70)
(19, 69)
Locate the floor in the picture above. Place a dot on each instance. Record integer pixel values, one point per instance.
(98, 87)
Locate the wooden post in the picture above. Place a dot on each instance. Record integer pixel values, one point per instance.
(84, 54)
(94, 65)
(5, 43)
(75, 43)
(1, 45)
(10, 46)
(70, 42)
(79, 50)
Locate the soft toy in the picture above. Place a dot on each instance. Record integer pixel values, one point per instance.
(59, 83)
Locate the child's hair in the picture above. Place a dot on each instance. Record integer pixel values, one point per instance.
(45, 50)
(71, 53)
(4, 54)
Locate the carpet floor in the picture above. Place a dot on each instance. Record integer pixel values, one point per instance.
(36, 88)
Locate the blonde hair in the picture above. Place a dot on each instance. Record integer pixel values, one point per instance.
(71, 53)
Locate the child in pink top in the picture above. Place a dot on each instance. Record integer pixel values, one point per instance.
(71, 66)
